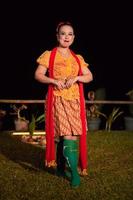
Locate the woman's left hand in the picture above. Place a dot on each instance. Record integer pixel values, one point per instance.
(70, 81)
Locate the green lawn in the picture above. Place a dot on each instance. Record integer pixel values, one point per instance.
(110, 168)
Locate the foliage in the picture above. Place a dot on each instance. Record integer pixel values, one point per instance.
(130, 95)
(17, 111)
(100, 94)
(112, 117)
(93, 110)
(35, 118)
(2, 116)
(35, 121)
(2, 113)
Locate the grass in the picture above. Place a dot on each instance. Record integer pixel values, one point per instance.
(110, 168)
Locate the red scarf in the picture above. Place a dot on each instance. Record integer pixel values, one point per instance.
(50, 144)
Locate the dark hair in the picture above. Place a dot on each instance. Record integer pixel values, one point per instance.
(62, 24)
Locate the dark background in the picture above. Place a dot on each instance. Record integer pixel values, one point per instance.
(103, 37)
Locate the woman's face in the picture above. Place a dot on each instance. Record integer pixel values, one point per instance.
(65, 36)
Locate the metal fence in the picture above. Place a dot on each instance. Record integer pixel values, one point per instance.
(105, 103)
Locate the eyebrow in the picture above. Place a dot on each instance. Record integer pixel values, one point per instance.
(65, 32)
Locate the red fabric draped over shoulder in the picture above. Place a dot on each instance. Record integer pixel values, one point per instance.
(50, 145)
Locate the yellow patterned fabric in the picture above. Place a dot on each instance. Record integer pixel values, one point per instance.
(63, 69)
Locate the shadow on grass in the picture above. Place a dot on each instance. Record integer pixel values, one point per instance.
(29, 156)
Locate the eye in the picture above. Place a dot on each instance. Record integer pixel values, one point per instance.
(62, 33)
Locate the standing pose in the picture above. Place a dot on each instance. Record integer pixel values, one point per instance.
(65, 104)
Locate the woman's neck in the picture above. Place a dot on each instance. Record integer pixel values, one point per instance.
(65, 52)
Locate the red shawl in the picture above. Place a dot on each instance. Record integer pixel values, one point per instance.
(50, 144)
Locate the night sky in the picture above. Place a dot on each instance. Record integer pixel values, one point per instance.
(103, 38)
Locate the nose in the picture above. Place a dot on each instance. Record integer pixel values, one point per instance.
(66, 36)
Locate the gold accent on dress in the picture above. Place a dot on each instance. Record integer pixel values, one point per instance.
(52, 163)
(83, 172)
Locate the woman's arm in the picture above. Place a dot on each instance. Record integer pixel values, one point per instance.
(40, 75)
(85, 78)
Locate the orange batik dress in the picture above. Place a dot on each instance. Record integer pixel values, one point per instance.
(65, 103)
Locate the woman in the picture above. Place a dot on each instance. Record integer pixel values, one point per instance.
(65, 105)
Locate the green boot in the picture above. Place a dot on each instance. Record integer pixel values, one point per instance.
(60, 159)
(62, 166)
(70, 150)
